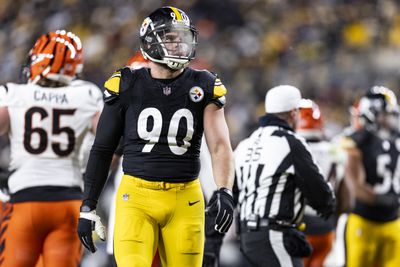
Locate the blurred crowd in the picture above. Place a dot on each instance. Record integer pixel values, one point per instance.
(332, 50)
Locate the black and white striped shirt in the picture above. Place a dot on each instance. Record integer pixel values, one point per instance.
(275, 173)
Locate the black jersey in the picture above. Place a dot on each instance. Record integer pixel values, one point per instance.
(163, 122)
(380, 158)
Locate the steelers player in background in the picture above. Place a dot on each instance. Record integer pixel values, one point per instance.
(161, 112)
(320, 232)
(46, 120)
(373, 228)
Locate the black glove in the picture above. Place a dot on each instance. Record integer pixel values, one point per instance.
(88, 222)
(387, 200)
(221, 206)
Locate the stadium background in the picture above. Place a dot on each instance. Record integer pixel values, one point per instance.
(332, 50)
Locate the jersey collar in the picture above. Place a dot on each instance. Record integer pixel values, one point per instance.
(272, 120)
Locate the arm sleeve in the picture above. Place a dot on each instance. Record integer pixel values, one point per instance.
(109, 132)
(309, 179)
(120, 149)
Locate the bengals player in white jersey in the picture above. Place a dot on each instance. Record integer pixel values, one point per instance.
(46, 119)
(320, 232)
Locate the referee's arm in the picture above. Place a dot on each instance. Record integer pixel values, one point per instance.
(309, 179)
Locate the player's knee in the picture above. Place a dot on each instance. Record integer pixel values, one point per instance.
(191, 239)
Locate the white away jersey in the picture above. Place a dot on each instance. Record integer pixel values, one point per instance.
(47, 126)
(325, 155)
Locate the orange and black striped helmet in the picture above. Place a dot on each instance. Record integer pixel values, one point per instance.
(76, 42)
(310, 123)
(137, 61)
(55, 56)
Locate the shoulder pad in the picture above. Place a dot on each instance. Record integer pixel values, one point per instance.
(219, 92)
(346, 142)
(112, 84)
(117, 83)
(219, 89)
(215, 87)
(360, 137)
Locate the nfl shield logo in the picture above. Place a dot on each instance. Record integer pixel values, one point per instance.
(167, 90)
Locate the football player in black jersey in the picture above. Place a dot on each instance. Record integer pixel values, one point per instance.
(373, 228)
(161, 112)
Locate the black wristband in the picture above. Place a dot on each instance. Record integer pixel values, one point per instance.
(89, 203)
(226, 190)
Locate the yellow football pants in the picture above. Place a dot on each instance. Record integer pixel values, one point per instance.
(370, 244)
(169, 216)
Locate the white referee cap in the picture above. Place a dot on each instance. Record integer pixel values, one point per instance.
(282, 98)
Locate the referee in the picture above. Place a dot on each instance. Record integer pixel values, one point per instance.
(276, 175)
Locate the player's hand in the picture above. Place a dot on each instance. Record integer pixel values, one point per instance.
(88, 222)
(221, 206)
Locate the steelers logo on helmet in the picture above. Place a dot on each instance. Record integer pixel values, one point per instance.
(168, 37)
(145, 25)
(196, 94)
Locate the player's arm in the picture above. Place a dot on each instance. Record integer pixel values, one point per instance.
(312, 184)
(355, 173)
(345, 197)
(4, 120)
(342, 187)
(218, 142)
(109, 131)
(108, 134)
(4, 115)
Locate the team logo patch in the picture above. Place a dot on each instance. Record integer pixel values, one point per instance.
(196, 94)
